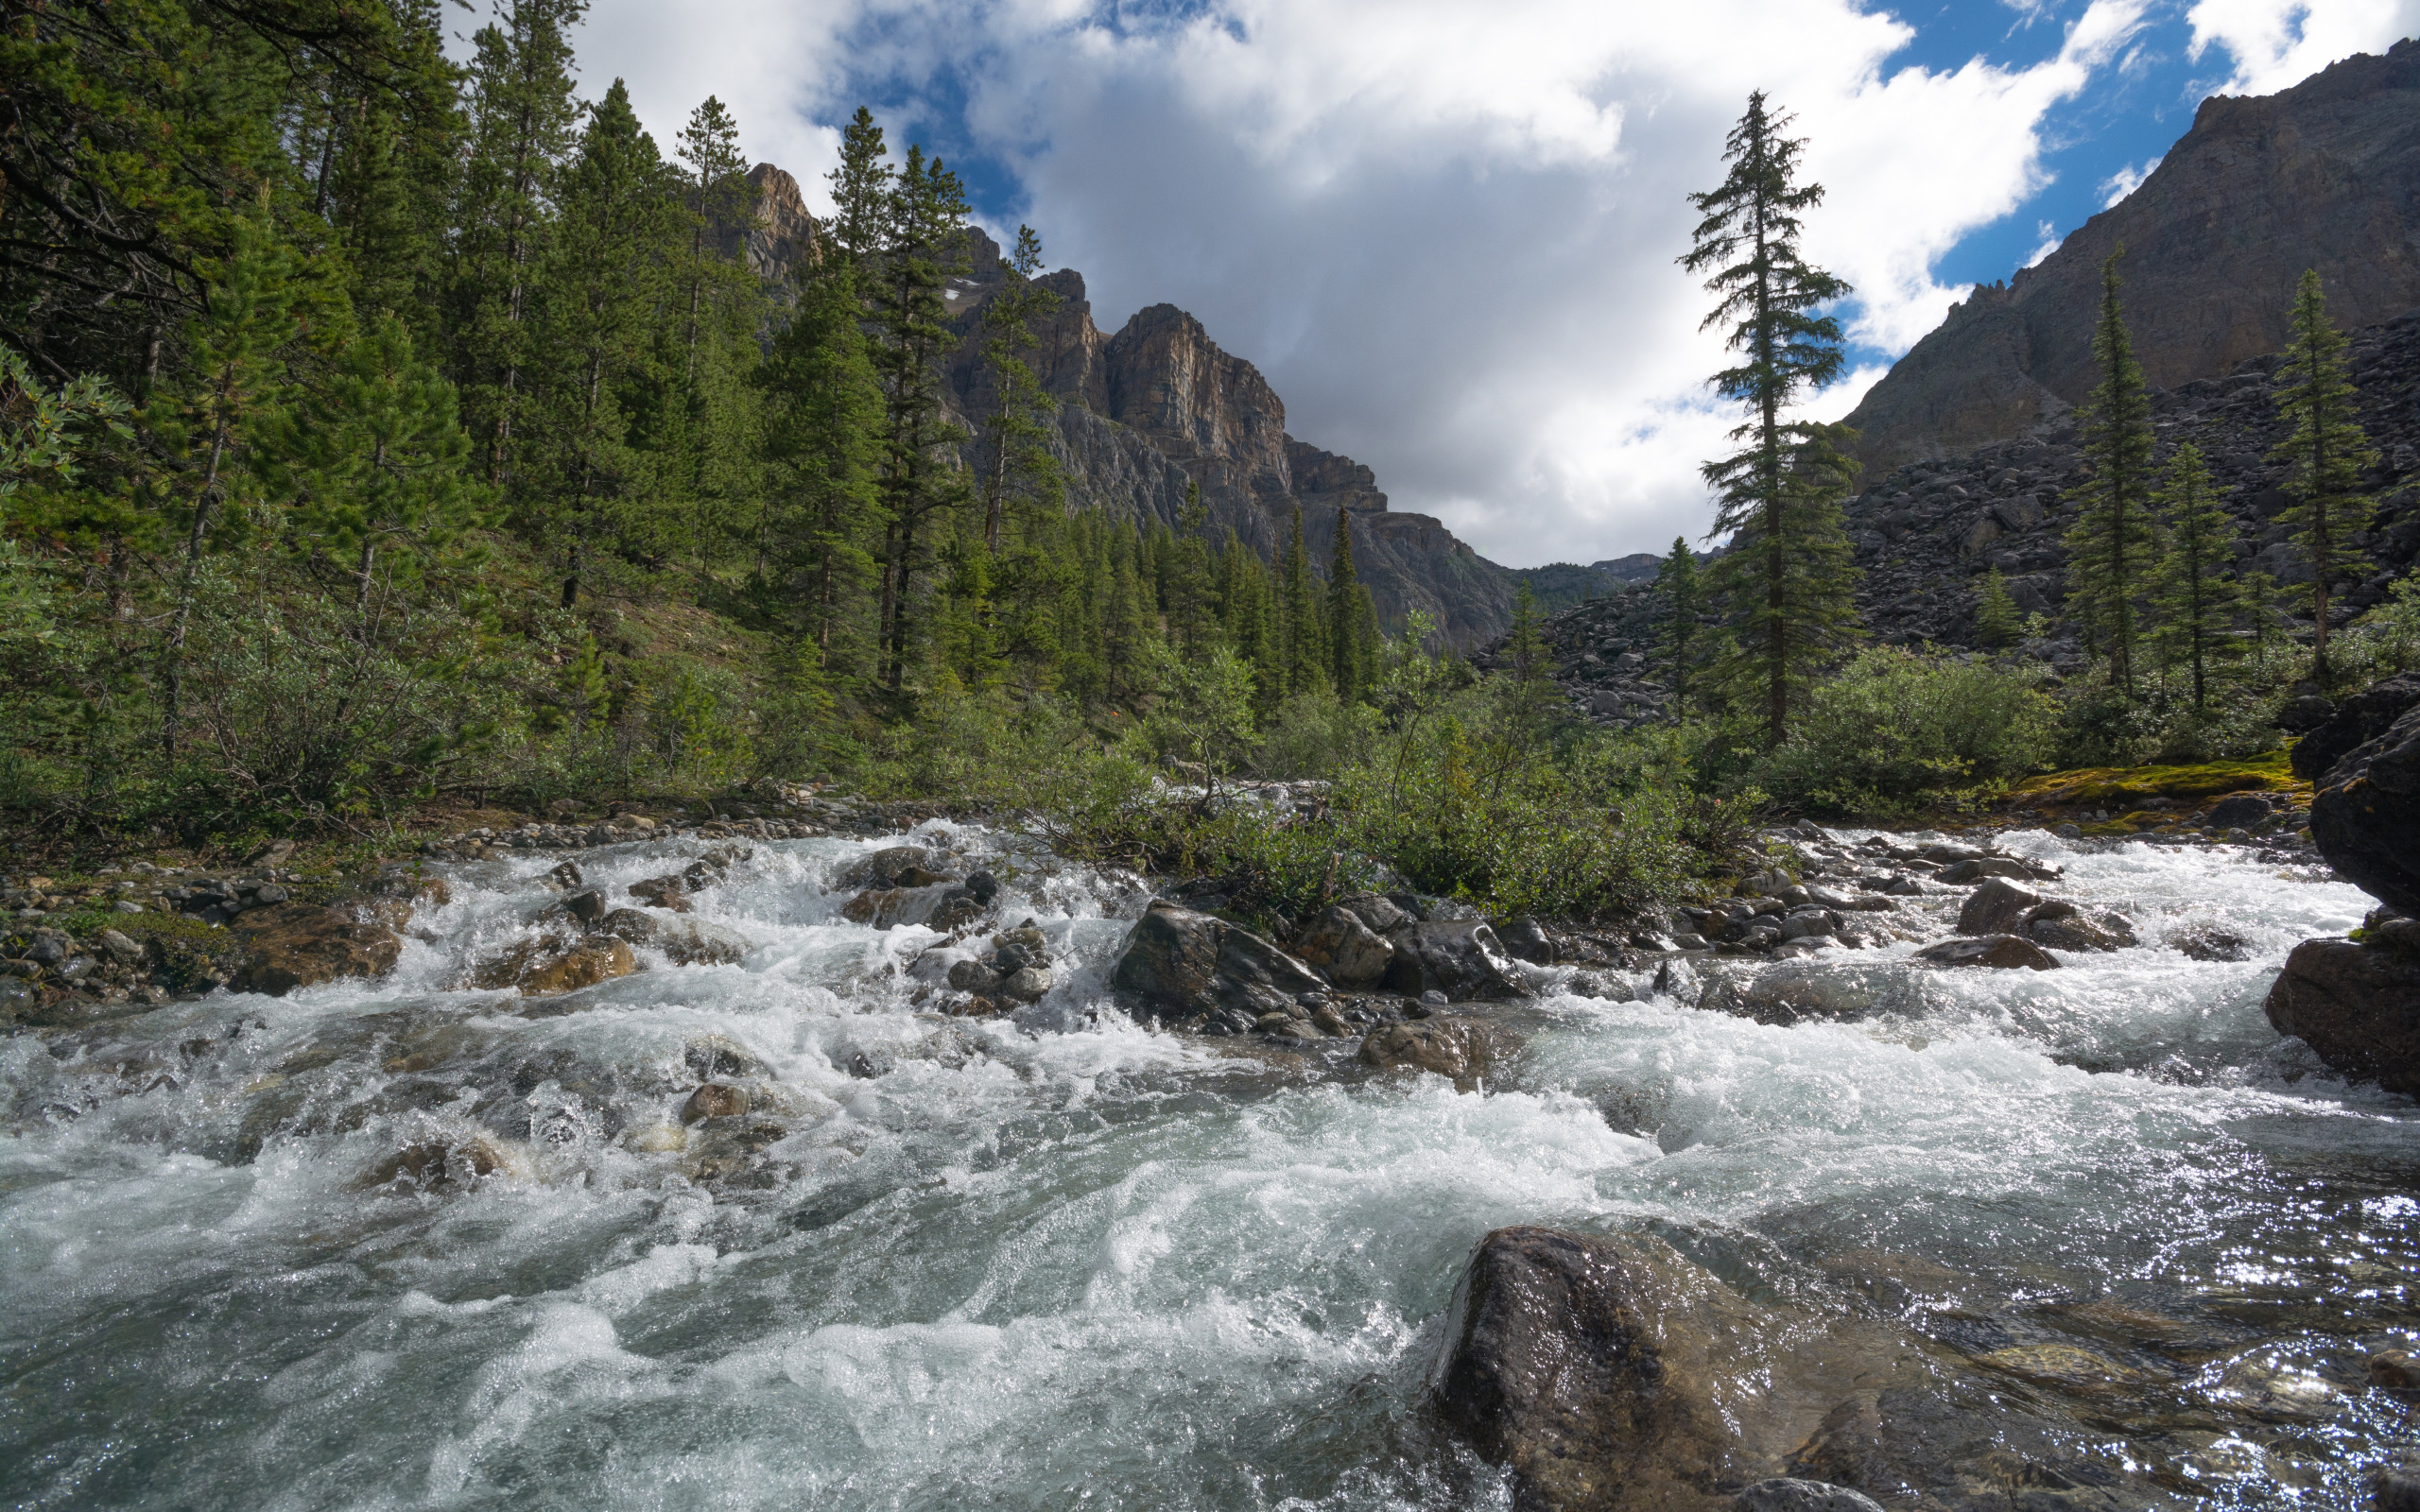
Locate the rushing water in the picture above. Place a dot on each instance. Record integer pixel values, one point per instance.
(1065, 1262)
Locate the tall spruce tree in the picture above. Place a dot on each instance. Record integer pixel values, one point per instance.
(2112, 546)
(1788, 585)
(1302, 649)
(2324, 456)
(924, 215)
(1679, 641)
(2198, 602)
(822, 440)
(1346, 610)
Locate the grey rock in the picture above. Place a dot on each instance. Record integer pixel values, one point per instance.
(1783, 1494)
(1461, 959)
(588, 907)
(2358, 1006)
(1340, 944)
(1026, 984)
(2366, 816)
(1462, 1050)
(1528, 941)
(1180, 966)
(971, 975)
(1961, 873)
(1381, 915)
(2240, 810)
(2005, 952)
(1998, 908)
(120, 947)
(2212, 944)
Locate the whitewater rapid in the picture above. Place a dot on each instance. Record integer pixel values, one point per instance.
(1058, 1259)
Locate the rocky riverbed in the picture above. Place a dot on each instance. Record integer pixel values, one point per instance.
(920, 1167)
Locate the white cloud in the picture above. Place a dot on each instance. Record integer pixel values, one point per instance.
(2125, 181)
(1445, 233)
(2276, 44)
(2050, 240)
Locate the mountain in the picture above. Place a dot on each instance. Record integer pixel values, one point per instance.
(1927, 531)
(1562, 584)
(1158, 404)
(2325, 175)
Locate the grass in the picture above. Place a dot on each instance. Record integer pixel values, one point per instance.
(2131, 787)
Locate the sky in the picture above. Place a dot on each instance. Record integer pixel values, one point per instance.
(1445, 230)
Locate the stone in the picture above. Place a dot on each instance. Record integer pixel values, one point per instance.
(887, 908)
(588, 907)
(2358, 1006)
(552, 965)
(566, 874)
(119, 947)
(437, 1165)
(1998, 908)
(2361, 718)
(2303, 714)
(971, 976)
(48, 946)
(1345, 948)
(712, 1055)
(1788, 994)
(1588, 1365)
(2395, 1369)
(1381, 915)
(2366, 818)
(2238, 811)
(2103, 932)
(1962, 873)
(716, 1100)
(1784, 1494)
(1461, 959)
(1462, 1050)
(2004, 951)
(299, 945)
(2395, 1488)
(1026, 983)
(2204, 943)
(661, 892)
(1178, 966)
(898, 865)
(1527, 940)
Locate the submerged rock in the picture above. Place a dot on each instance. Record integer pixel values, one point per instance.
(295, 945)
(898, 865)
(552, 964)
(1462, 1050)
(2207, 943)
(2005, 952)
(1183, 966)
(2358, 1006)
(683, 941)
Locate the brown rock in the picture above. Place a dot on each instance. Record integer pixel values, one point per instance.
(299, 945)
(1345, 948)
(552, 965)
(1462, 1050)
(440, 1166)
(2395, 1369)
(1997, 907)
(714, 1100)
(2358, 1006)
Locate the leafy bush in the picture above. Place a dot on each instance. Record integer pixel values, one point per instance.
(1897, 732)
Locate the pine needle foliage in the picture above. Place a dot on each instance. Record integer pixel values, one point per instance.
(2324, 456)
(2112, 547)
(1788, 586)
(1998, 624)
(2198, 599)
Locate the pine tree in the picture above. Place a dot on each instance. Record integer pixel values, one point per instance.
(1677, 634)
(1533, 691)
(1789, 584)
(1998, 624)
(821, 444)
(2324, 457)
(522, 114)
(861, 190)
(2112, 545)
(1022, 472)
(2197, 602)
(924, 215)
(1347, 610)
(1302, 649)
(376, 460)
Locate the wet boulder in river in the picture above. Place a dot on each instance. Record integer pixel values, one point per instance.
(2005, 952)
(1461, 959)
(1997, 907)
(898, 865)
(2366, 816)
(1788, 1494)
(1186, 967)
(1348, 951)
(1462, 1050)
(2357, 1006)
(552, 964)
(295, 945)
(1588, 1364)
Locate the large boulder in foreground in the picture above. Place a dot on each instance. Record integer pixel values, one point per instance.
(299, 945)
(1194, 969)
(1590, 1365)
(2357, 1006)
(2366, 816)
(2356, 722)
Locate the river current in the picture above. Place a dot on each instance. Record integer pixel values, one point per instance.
(407, 1244)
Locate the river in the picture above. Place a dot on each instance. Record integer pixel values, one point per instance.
(1060, 1261)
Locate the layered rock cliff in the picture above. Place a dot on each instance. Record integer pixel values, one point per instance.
(2324, 176)
(1156, 405)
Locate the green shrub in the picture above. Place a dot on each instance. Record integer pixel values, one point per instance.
(1897, 732)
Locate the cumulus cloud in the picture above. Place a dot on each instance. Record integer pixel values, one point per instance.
(2276, 44)
(1445, 233)
(2124, 181)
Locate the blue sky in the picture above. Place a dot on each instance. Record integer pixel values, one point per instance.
(1445, 230)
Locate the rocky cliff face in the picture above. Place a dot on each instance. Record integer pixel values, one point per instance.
(2324, 176)
(1927, 531)
(1156, 405)
(782, 233)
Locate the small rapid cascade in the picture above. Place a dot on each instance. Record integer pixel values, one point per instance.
(416, 1243)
